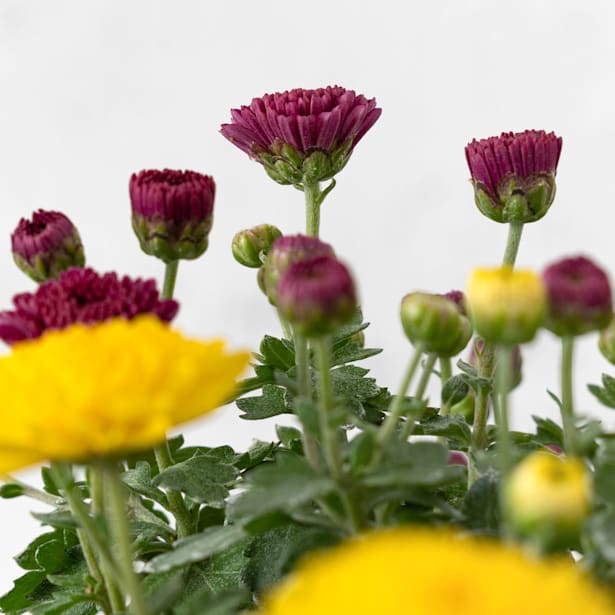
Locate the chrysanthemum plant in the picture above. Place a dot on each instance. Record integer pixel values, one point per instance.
(412, 504)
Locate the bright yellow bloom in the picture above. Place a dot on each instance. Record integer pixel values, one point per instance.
(548, 494)
(433, 572)
(115, 387)
(506, 305)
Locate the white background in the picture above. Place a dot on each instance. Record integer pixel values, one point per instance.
(91, 91)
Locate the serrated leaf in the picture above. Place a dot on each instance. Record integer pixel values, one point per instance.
(197, 548)
(60, 518)
(51, 556)
(277, 353)
(453, 427)
(270, 403)
(604, 396)
(27, 558)
(351, 352)
(18, 599)
(555, 398)
(290, 437)
(258, 452)
(454, 390)
(481, 504)
(139, 480)
(351, 387)
(548, 431)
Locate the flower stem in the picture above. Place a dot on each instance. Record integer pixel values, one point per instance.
(395, 409)
(445, 369)
(312, 208)
(504, 367)
(515, 230)
(567, 408)
(310, 446)
(409, 425)
(329, 436)
(32, 492)
(118, 521)
(170, 275)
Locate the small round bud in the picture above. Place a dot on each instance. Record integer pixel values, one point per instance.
(317, 295)
(436, 322)
(46, 245)
(506, 306)
(283, 253)
(251, 245)
(547, 497)
(172, 212)
(579, 297)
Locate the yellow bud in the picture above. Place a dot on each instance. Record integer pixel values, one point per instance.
(506, 305)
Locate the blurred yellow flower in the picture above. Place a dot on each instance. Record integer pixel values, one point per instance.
(506, 305)
(433, 572)
(116, 387)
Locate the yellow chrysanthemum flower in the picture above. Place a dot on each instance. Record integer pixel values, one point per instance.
(116, 387)
(506, 305)
(432, 572)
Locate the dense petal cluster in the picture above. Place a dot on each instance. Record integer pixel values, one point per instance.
(46, 245)
(434, 572)
(110, 388)
(302, 135)
(81, 296)
(513, 174)
(579, 296)
(172, 212)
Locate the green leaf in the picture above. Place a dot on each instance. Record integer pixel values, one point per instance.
(604, 396)
(48, 481)
(60, 518)
(277, 353)
(290, 437)
(27, 558)
(280, 486)
(351, 351)
(481, 504)
(352, 388)
(51, 556)
(604, 482)
(18, 599)
(257, 453)
(452, 427)
(548, 432)
(601, 528)
(455, 390)
(270, 403)
(10, 490)
(139, 480)
(197, 548)
(272, 555)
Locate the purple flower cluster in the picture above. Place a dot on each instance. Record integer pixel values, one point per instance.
(81, 296)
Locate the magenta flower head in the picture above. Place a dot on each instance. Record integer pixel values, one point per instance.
(283, 253)
(81, 296)
(579, 296)
(46, 245)
(514, 174)
(172, 212)
(317, 296)
(302, 136)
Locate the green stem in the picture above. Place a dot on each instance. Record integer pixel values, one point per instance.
(304, 384)
(504, 367)
(515, 230)
(445, 370)
(329, 436)
(410, 423)
(118, 521)
(177, 504)
(312, 208)
(170, 275)
(567, 409)
(395, 409)
(32, 492)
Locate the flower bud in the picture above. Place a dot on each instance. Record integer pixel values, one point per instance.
(457, 458)
(317, 295)
(436, 322)
(476, 351)
(579, 297)
(506, 306)
(46, 245)
(172, 212)
(251, 246)
(514, 174)
(547, 497)
(283, 253)
(606, 342)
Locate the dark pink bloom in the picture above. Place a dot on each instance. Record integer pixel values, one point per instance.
(288, 127)
(46, 245)
(172, 212)
(579, 296)
(457, 458)
(513, 174)
(317, 295)
(82, 296)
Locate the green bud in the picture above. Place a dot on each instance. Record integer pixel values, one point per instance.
(250, 246)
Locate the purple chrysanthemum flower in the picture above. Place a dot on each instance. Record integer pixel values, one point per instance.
(46, 245)
(302, 136)
(82, 296)
(579, 296)
(317, 295)
(514, 174)
(172, 212)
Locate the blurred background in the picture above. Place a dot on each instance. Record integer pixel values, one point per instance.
(93, 91)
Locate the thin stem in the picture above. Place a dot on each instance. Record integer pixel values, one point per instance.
(395, 409)
(515, 230)
(312, 208)
(329, 436)
(32, 492)
(567, 409)
(410, 423)
(445, 370)
(118, 521)
(486, 364)
(170, 275)
(177, 504)
(504, 369)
